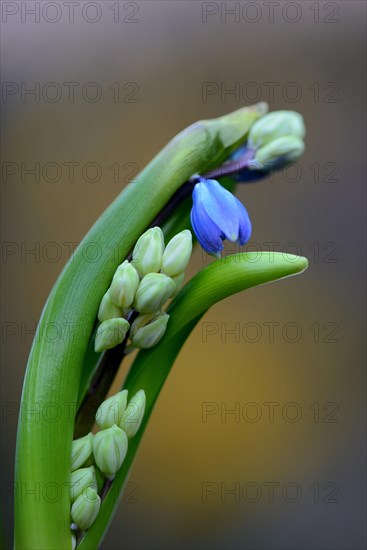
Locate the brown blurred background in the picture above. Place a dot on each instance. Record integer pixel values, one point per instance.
(117, 80)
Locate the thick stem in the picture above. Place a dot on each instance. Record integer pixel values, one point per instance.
(100, 384)
(231, 167)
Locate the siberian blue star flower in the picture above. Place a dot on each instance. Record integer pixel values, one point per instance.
(217, 215)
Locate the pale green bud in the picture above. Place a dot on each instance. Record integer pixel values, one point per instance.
(81, 450)
(148, 329)
(110, 333)
(73, 541)
(283, 149)
(275, 125)
(110, 411)
(148, 252)
(85, 509)
(80, 480)
(107, 309)
(178, 280)
(177, 253)
(109, 449)
(124, 285)
(133, 415)
(154, 291)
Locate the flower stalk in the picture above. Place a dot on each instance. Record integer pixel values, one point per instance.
(130, 310)
(54, 370)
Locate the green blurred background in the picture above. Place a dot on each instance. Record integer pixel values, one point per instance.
(204, 479)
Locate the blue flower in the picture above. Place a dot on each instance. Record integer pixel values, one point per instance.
(217, 215)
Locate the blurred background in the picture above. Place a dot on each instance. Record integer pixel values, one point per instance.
(258, 438)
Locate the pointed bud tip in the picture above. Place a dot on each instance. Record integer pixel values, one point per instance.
(153, 292)
(110, 333)
(148, 329)
(80, 480)
(148, 252)
(134, 413)
(274, 125)
(282, 150)
(107, 309)
(85, 509)
(81, 450)
(111, 410)
(177, 253)
(124, 285)
(109, 449)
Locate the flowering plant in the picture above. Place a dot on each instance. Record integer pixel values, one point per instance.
(118, 304)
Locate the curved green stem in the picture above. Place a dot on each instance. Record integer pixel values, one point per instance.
(55, 364)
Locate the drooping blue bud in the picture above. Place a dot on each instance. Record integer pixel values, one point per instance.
(217, 215)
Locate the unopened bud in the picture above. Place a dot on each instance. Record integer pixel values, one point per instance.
(177, 253)
(109, 449)
(124, 285)
(154, 290)
(148, 329)
(80, 480)
(110, 334)
(275, 125)
(148, 252)
(81, 450)
(133, 415)
(110, 411)
(107, 309)
(282, 150)
(85, 509)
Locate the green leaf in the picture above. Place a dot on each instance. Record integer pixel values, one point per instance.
(151, 367)
(54, 367)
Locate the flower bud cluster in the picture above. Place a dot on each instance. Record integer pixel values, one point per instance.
(277, 139)
(102, 454)
(154, 275)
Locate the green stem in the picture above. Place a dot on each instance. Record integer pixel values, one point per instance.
(54, 368)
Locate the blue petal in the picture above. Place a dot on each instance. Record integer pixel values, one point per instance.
(207, 232)
(245, 223)
(220, 206)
